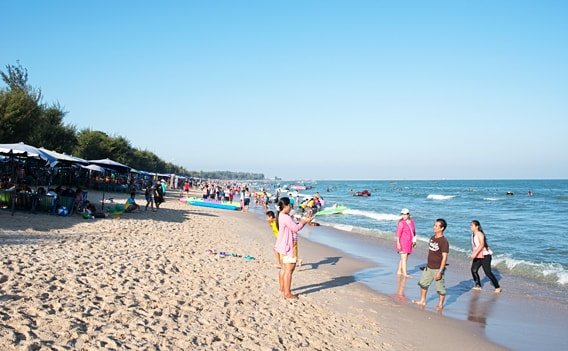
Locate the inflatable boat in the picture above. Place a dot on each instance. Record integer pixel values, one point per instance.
(225, 205)
(335, 209)
(362, 193)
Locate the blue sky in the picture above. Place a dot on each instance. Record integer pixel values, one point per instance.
(310, 89)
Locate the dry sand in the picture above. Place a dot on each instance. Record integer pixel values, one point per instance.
(147, 281)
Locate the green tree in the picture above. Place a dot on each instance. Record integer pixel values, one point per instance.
(51, 133)
(23, 118)
(93, 145)
(19, 113)
(121, 150)
(16, 77)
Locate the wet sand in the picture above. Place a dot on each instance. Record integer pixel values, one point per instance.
(526, 316)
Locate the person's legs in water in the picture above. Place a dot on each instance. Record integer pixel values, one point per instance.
(486, 264)
(475, 265)
(441, 288)
(424, 283)
(402, 265)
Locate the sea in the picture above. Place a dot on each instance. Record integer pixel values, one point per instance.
(525, 221)
(526, 226)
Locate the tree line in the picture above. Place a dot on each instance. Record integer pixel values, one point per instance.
(24, 117)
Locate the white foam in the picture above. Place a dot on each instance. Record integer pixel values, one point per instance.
(535, 269)
(374, 215)
(458, 249)
(343, 227)
(563, 278)
(439, 197)
(490, 199)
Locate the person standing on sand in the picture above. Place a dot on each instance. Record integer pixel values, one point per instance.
(438, 250)
(149, 195)
(186, 188)
(273, 223)
(405, 240)
(287, 238)
(158, 195)
(481, 255)
(245, 196)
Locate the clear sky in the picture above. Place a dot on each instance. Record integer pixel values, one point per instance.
(310, 89)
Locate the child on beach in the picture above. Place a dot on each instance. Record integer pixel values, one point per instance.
(271, 218)
(438, 250)
(131, 204)
(287, 238)
(149, 195)
(91, 209)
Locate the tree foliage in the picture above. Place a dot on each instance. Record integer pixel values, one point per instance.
(24, 118)
(62, 137)
(16, 77)
(95, 145)
(92, 145)
(18, 114)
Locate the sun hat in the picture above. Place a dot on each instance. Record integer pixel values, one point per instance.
(405, 211)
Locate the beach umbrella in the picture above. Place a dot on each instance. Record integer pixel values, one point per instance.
(113, 165)
(108, 163)
(95, 168)
(64, 158)
(24, 150)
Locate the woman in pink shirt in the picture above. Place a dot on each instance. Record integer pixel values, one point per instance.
(405, 240)
(287, 238)
(481, 255)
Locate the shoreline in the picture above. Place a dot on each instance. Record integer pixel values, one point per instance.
(500, 315)
(332, 282)
(147, 280)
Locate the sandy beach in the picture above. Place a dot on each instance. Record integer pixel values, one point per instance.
(148, 280)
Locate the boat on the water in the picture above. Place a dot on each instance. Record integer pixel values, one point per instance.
(362, 193)
(335, 209)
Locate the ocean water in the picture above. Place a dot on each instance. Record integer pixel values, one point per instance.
(526, 233)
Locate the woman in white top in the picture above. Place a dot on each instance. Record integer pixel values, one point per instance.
(481, 255)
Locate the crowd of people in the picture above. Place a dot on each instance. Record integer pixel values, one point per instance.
(438, 251)
(70, 200)
(285, 227)
(288, 221)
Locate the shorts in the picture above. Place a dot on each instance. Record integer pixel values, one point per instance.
(428, 276)
(246, 201)
(287, 259)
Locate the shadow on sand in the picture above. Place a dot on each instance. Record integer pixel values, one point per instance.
(332, 283)
(315, 265)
